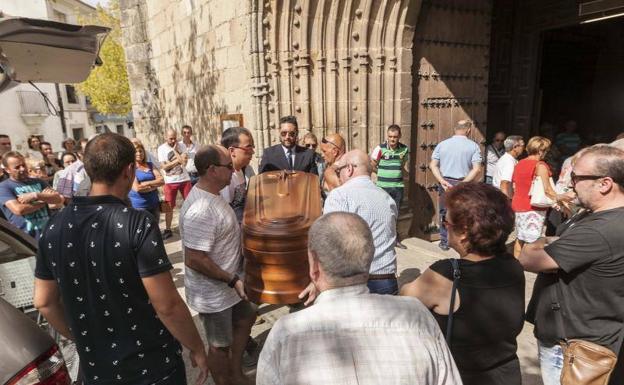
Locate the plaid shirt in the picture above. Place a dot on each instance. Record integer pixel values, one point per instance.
(73, 181)
(352, 337)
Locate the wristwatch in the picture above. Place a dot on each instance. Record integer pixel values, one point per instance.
(233, 281)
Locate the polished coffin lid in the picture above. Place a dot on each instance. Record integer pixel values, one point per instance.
(280, 208)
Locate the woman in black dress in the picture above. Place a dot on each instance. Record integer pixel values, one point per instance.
(489, 302)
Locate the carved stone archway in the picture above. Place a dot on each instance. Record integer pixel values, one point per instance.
(337, 65)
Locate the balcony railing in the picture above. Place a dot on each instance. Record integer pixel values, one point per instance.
(32, 103)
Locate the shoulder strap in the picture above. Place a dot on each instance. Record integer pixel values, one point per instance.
(449, 321)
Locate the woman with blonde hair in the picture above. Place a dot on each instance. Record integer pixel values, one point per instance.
(530, 219)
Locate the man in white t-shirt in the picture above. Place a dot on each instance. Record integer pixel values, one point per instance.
(173, 157)
(503, 171)
(191, 149)
(239, 142)
(212, 255)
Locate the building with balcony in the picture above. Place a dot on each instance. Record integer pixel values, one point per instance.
(27, 110)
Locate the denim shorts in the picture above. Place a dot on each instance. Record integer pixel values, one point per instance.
(551, 362)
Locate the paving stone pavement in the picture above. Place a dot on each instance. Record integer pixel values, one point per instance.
(411, 262)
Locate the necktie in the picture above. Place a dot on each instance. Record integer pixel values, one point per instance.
(290, 160)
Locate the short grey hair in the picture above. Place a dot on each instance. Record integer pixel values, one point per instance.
(608, 161)
(511, 141)
(463, 124)
(342, 243)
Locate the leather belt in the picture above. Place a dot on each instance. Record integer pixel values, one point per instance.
(378, 277)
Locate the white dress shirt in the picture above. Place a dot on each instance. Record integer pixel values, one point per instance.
(292, 154)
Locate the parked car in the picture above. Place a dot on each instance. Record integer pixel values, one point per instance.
(29, 354)
(33, 50)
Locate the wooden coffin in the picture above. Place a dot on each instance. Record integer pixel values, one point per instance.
(280, 208)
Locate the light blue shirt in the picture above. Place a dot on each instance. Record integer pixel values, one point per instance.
(457, 155)
(359, 195)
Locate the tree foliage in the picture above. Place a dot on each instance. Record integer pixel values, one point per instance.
(107, 86)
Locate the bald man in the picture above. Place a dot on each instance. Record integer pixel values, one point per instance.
(454, 160)
(359, 195)
(172, 156)
(332, 148)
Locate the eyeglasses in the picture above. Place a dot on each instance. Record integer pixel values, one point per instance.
(249, 148)
(339, 169)
(310, 145)
(290, 134)
(229, 166)
(325, 141)
(574, 178)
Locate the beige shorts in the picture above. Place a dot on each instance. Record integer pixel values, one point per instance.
(219, 326)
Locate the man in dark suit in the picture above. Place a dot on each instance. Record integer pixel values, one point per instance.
(288, 155)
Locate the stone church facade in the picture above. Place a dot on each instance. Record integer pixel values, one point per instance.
(347, 66)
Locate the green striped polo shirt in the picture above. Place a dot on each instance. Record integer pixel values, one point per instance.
(390, 164)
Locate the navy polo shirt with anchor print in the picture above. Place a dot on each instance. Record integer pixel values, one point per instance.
(98, 249)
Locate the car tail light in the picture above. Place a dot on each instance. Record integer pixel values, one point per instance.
(48, 369)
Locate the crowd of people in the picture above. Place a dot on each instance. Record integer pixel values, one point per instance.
(103, 277)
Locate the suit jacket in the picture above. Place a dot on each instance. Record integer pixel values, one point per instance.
(274, 159)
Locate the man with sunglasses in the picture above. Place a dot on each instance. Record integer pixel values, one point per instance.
(211, 245)
(581, 270)
(288, 155)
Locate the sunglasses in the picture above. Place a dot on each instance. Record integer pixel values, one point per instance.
(574, 178)
(310, 145)
(325, 141)
(290, 134)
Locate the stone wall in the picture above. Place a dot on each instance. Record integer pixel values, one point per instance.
(337, 65)
(188, 63)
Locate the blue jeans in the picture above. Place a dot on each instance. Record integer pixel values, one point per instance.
(442, 210)
(396, 193)
(551, 362)
(383, 286)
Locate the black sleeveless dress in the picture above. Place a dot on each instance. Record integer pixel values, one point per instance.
(489, 318)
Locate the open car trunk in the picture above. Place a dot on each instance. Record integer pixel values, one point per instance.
(47, 51)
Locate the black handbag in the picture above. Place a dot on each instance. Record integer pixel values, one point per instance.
(449, 321)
